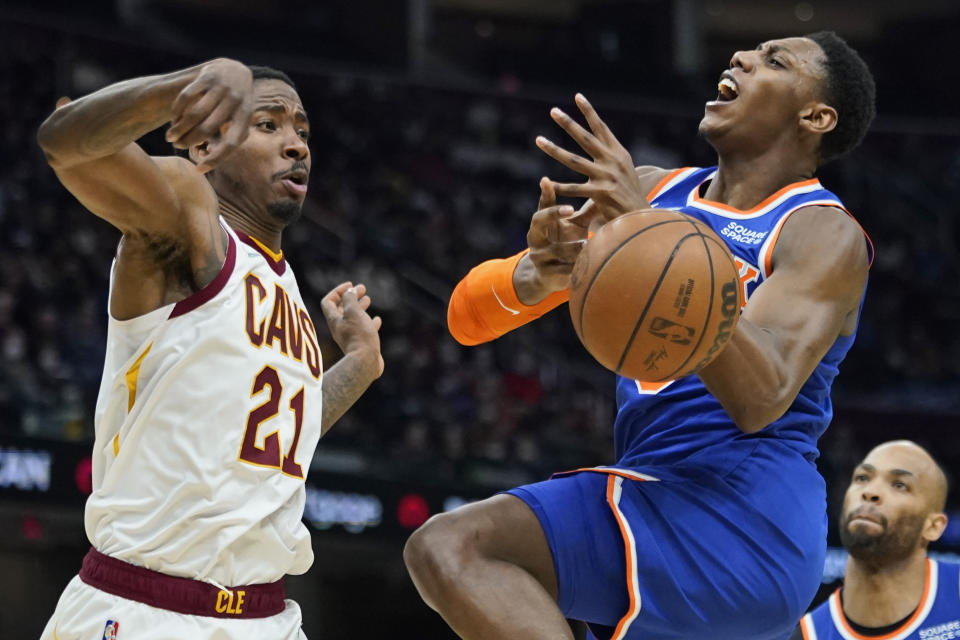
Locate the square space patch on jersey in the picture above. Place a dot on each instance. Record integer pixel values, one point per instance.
(110, 630)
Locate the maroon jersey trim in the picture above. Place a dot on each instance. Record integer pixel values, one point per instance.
(215, 286)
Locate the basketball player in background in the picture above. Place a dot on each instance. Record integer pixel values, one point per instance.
(712, 522)
(893, 509)
(213, 395)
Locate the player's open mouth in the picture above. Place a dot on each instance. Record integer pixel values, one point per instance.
(727, 89)
(295, 182)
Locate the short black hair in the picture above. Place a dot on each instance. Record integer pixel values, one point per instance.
(269, 73)
(849, 89)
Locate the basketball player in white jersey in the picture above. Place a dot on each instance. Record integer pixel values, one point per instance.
(213, 395)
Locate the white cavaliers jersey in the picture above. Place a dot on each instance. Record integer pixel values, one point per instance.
(208, 415)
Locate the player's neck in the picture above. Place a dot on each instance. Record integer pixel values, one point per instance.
(743, 182)
(241, 220)
(880, 596)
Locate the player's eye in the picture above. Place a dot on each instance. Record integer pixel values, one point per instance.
(303, 133)
(775, 62)
(267, 125)
(900, 485)
(860, 477)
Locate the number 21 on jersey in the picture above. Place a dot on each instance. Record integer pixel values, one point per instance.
(270, 454)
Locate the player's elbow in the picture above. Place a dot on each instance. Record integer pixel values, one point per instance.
(757, 414)
(464, 338)
(749, 422)
(57, 144)
(460, 325)
(50, 140)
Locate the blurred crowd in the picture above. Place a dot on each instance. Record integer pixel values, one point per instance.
(411, 187)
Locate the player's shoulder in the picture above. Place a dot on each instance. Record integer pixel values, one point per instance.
(191, 186)
(651, 176)
(834, 233)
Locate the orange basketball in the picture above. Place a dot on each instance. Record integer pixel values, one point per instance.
(654, 295)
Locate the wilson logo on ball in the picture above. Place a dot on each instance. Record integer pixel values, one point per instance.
(731, 304)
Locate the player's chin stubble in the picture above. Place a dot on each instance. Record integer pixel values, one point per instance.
(284, 211)
(896, 542)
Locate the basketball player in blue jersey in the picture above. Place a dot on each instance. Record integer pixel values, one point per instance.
(892, 511)
(712, 522)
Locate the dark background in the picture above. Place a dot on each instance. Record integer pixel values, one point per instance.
(424, 114)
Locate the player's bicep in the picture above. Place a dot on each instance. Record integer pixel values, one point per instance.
(819, 275)
(800, 324)
(132, 190)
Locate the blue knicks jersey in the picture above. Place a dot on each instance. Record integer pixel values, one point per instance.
(667, 423)
(937, 617)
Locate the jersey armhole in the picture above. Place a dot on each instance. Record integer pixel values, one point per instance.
(215, 286)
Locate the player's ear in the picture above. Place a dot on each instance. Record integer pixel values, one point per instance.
(818, 117)
(934, 527)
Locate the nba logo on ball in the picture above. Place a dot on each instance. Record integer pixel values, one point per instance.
(110, 630)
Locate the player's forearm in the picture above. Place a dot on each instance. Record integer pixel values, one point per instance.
(750, 378)
(343, 384)
(485, 304)
(106, 121)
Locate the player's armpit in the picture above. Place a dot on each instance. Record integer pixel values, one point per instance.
(484, 305)
(812, 297)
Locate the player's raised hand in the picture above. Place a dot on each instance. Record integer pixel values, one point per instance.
(612, 181)
(352, 328)
(555, 242)
(214, 109)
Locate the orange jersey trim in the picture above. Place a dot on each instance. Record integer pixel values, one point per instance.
(920, 608)
(766, 202)
(484, 305)
(663, 182)
(805, 627)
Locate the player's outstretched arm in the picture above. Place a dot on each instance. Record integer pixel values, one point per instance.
(819, 265)
(90, 143)
(498, 296)
(357, 335)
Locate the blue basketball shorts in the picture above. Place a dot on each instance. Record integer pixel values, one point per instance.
(697, 554)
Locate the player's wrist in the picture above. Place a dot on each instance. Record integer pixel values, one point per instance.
(528, 286)
(367, 360)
